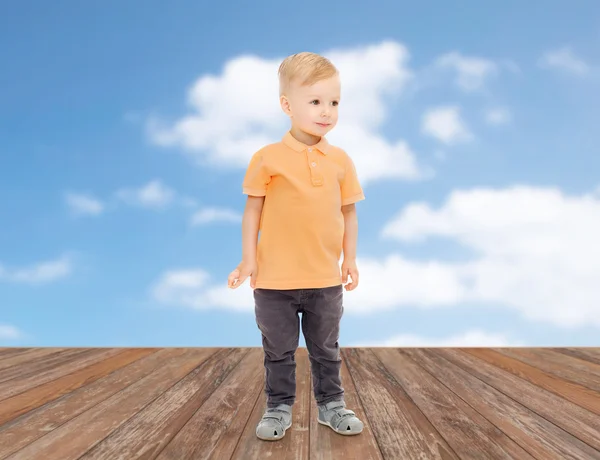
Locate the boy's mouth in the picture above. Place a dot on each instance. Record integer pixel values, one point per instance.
(323, 125)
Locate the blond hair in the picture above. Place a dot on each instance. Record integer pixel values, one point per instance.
(306, 68)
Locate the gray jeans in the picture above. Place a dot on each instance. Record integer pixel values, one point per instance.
(277, 317)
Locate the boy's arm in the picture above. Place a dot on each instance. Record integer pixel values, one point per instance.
(349, 268)
(350, 231)
(250, 224)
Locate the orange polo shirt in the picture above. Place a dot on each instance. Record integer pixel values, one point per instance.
(302, 225)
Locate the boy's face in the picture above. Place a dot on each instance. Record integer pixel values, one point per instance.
(313, 109)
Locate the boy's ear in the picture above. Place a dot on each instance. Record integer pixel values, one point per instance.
(285, 105)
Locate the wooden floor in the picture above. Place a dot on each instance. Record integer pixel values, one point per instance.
(196, 403)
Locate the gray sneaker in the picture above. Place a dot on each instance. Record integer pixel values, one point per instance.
(341, 420)
(274, 422)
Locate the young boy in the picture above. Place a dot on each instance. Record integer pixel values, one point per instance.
(301, 194)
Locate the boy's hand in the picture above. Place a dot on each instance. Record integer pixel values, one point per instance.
(241, 272)
(349, 268)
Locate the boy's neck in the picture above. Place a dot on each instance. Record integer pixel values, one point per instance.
(304, 137)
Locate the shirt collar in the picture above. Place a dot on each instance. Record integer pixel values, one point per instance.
(322, 146)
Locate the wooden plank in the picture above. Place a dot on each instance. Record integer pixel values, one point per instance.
(565, 367)
(591, 355)
(213, 431)
(152, 428)
(30, 356)
(295, 443)
(325, 444)
(227, 443)
(38, 366)
(534, 429)
(399, 426)
(573, 392)
(7, 352)
(20, 385)
(469, 433)
(121, 371)
(72, 439)
(17, 405)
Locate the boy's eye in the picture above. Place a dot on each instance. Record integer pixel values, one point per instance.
(316, 101)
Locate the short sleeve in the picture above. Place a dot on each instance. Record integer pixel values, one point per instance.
(351, 189)
(257, 177)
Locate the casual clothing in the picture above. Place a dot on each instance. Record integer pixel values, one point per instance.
(277, 318)
(298, 253)
(302, 225)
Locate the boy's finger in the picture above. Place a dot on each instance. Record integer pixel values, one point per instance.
(238, 282)
(351, 286)
(233, 275)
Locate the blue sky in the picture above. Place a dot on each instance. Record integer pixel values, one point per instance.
(474, 131)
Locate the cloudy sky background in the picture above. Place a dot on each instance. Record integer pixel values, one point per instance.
(126, 131)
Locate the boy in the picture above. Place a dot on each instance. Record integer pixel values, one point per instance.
(301, 194)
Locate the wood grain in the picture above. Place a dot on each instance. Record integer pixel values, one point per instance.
(42, 364)
(399, 426)
(20, 385)
(212, 432)
(205, 403)
(8, 352)
(470, 434)
(145, 434)
(574, 392)
(576, 371)
(120, 371)
(544, 424)
(72, 439)
(29, 357)
(591, 355)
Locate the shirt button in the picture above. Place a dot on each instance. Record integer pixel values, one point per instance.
(313, 164)
(310, 149)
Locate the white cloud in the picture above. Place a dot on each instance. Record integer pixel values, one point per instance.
(428, 285)
(471, 72)
(498, 116)
(41, 272)
(445, 124)
(209, 215)
(191, 288)
(237, 112)
(82, 204)
(564, 59)
(532, 250)
(536, 252)
(152, 195)
(8, 332)
(471, 338)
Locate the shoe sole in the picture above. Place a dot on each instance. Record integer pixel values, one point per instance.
(345, 432)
